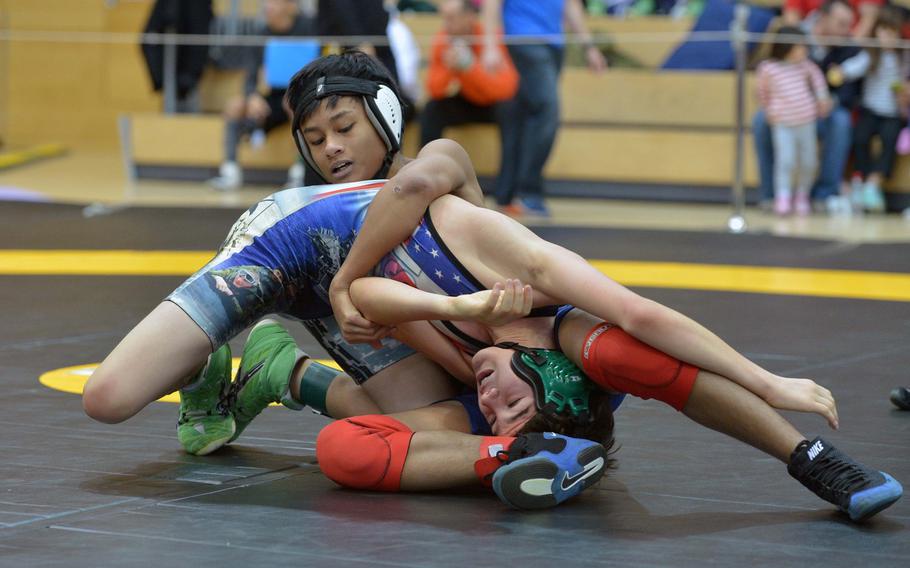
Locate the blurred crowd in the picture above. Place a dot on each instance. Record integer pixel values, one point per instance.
(832, 112)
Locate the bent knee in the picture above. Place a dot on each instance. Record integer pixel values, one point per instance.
(364, 452)
(101, 401)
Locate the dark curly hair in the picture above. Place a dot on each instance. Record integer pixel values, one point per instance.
(352, 63)
(599, 430)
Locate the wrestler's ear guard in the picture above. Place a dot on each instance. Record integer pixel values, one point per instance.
(382, 106)
(559, 386)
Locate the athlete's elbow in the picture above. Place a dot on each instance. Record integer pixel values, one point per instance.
(413, 185)
(360, 297)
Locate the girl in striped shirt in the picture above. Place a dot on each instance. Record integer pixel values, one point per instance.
(879, 115)
(794, 94)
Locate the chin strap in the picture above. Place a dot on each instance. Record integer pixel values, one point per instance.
(383, 172)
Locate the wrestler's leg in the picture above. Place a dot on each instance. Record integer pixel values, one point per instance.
(410, 383)
(157, 357)
(274, 369)
(619, 362)
(395, 377)
(409, 451)
(724, 406)
(343, 396)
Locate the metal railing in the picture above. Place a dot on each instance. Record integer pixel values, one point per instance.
(737, 35)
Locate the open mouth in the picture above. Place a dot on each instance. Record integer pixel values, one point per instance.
(481, 377)
(342, 168)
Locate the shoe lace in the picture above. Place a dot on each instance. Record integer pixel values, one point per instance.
(836, 475)
(228, 400)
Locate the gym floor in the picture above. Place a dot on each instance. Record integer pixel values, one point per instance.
(809, 298)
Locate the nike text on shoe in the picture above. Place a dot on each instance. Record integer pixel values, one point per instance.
(858, 491)
(543, 470)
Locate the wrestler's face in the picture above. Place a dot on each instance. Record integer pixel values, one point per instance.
(342, 140)
(506, 401)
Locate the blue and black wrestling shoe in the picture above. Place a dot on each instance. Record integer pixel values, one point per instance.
(543, 470)
(855, 489)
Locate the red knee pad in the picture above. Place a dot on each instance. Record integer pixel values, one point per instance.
(617, 361)
(364, 452)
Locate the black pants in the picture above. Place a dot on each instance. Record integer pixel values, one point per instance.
(440, 113)
(887, 128)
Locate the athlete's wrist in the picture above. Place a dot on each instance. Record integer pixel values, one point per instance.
(454, 308)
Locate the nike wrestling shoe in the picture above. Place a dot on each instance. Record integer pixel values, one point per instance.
(856, 490)
(900, 397)
(269, 357)
(202, 426)
(543, 470)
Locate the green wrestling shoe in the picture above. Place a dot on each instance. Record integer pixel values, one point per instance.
(269, 358)
(202, 426)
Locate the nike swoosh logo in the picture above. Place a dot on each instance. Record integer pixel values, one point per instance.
(570, 481)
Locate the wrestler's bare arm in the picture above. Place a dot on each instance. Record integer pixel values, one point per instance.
(498, 246)
(393, 303)
(390, 302)
(442, 167)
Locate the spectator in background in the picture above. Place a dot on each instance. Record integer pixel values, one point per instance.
(530, 120)
(460, 88)
(406, 51)
(803, 12)
(366, 18)
(880, 114)
(844, 72)
(793, 94)
(260, 110)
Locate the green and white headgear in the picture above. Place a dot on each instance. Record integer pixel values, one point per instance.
(560, 387)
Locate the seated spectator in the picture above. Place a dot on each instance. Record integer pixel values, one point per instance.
(406, 50)
(843, 70)
(880, 114)
(803, 13)
(260, 110)
(460, 88)
(793, 94)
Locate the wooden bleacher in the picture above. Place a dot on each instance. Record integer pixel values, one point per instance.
(626, 126)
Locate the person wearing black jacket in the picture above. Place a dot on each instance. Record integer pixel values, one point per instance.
(171, 16)
(844, 71)
(259, 110)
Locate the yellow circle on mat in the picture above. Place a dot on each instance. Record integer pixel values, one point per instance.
(72, 379)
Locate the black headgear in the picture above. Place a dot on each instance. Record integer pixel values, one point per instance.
(380, 103)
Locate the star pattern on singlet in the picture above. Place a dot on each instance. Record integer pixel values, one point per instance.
(439, 274)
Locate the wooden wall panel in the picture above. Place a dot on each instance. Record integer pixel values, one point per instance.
(179, 140)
